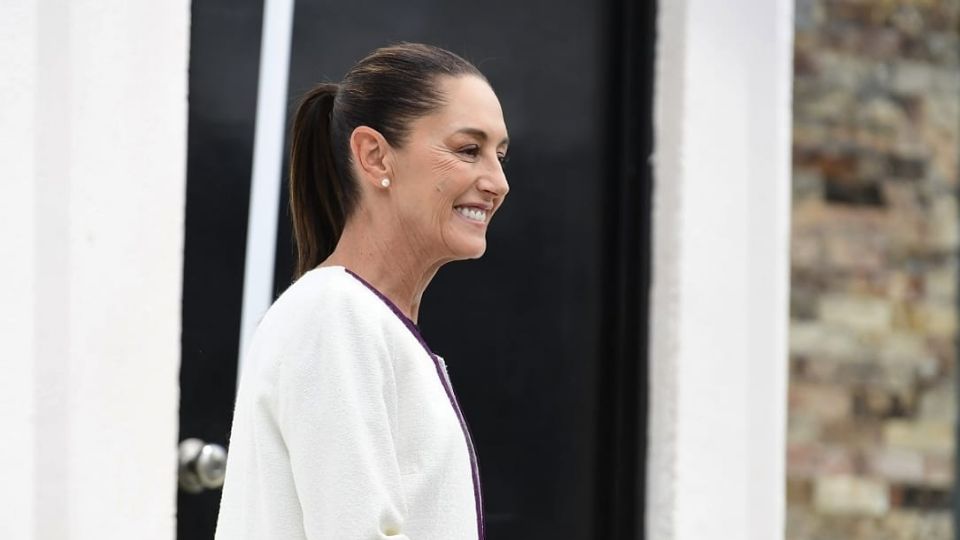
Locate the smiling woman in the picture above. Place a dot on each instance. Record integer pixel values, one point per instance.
(346, 424)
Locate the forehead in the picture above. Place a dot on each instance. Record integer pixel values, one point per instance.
(470, 103)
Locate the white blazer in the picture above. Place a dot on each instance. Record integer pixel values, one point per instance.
(346, 426)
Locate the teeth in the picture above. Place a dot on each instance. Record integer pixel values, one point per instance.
(472, 213)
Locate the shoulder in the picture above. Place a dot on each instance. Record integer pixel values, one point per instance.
(320, 285)
(327, 295)
(326, 309)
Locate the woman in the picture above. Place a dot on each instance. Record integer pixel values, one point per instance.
(346, 426)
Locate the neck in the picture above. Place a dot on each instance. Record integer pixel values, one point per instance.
(385, 256)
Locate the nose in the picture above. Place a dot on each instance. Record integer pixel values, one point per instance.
(495, 182)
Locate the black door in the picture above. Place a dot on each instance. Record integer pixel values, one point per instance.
(545, 335)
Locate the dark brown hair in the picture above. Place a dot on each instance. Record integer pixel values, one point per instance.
(386, 91)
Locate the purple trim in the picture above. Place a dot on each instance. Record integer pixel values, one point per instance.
(447, 387)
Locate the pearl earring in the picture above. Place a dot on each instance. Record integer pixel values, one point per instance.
(385, 182)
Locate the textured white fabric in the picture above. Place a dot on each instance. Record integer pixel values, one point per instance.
(342, 428)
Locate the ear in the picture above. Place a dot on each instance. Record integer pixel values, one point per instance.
(370, 152)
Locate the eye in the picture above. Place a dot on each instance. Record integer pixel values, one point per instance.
(503, 158)
(471, 151)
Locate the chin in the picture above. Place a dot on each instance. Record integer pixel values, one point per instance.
(479, 253)
(460, 244)
(470, 250)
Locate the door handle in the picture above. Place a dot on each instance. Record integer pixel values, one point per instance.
(202, 465)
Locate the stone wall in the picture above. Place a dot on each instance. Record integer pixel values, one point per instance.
(874, 270)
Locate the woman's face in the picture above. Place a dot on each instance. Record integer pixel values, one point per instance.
(449, 179)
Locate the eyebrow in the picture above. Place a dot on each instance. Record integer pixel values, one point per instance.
(482, 135)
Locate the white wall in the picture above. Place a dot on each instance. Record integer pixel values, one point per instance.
(718, 354)
(92, 184)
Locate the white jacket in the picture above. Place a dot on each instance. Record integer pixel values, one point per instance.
(346, 426)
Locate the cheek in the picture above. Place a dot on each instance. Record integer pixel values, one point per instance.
(442, 169)
(446, 174)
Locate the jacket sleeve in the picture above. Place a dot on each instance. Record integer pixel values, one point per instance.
(336, 411)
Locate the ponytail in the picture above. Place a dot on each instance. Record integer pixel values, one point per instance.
(319, 198)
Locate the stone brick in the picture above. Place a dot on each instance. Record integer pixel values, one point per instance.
(934, 319)
(853, 252)
(857, 434)
(923, 498)
(850, 495)
(903, 286)
(896, 377)
(827, 402)
(802, 522)
(896, 464)
(912, 77)
(913, 525)
(803, 302)
(809, 460)
(940, 283)
(863, 314)
(902, 348)
(803, 428)
(939, 403)
(816, 339)
(924, 435)
(879, 113)
(806, 251)
(939, 470)
(944, 232)
(807, 183)
(799, 492)
(879, 402)
(902, 198)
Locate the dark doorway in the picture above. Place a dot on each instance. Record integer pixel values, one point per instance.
(224, 63)
(545, 336)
